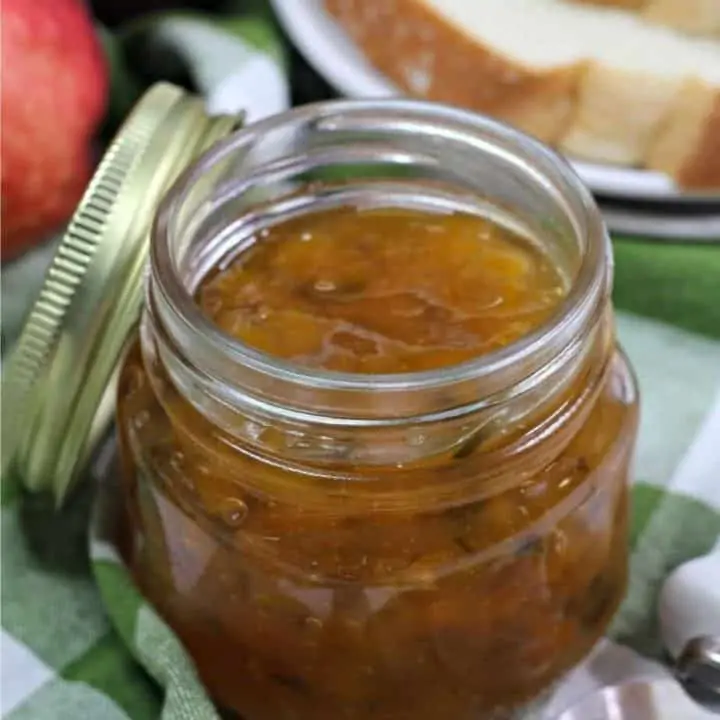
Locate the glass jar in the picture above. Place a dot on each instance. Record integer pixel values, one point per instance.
(440, 544)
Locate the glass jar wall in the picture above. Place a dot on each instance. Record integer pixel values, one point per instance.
(436, 544)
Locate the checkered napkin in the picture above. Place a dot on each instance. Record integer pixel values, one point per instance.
(79, 642)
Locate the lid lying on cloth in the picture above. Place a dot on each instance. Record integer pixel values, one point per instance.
(56, 387)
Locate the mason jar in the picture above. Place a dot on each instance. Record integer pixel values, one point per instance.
(442, 544)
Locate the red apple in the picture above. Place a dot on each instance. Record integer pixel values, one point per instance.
(52, 98)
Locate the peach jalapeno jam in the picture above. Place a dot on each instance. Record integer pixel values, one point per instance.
(375, 429)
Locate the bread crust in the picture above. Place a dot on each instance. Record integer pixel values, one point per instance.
(697, 17)
(588, 111)
(624, 4)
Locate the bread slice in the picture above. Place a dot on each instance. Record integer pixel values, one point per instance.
(428, 54)
(697, 17)
(687, 146)
(598, 83)
(617, 115)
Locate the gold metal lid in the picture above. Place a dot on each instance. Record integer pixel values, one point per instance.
(56, 387)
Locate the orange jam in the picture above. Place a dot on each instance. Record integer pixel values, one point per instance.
(308, 584)
(383, 291)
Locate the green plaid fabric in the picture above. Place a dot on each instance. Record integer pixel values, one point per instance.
(79, 642)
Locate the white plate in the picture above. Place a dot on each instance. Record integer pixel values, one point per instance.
(331, 52)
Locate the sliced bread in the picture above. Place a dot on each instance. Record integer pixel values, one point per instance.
(698, 17)
(601, 84)
(687, 146)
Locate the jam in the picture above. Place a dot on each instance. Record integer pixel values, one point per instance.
(383, 291)
(347, 592)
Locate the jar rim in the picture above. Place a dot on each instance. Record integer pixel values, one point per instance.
(592, 279)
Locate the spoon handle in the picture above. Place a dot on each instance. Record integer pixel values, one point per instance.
(689, 612)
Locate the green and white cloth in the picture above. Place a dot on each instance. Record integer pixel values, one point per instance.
(79, 643)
